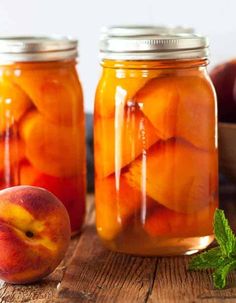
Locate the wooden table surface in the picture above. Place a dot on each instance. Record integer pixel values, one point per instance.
(91, 273)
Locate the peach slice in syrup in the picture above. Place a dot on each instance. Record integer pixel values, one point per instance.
(115, 92)
(55, 150)
(177, 175)
(13, 104)
(116, 201)
(55, 93)
(119, 141)
(164, 222)
(12, 151)
(180, 107)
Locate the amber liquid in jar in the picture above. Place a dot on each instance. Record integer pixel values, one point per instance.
(156, 160)
(42, 140)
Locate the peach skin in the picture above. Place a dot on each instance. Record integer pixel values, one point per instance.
(55, 92)
(55, 150)
(34, 233)
(119, 142)
(184, 107)
(178, 175)
(13, 104)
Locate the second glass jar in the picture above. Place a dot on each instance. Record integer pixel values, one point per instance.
(156, 159)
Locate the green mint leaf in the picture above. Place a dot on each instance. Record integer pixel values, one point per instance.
(224, 234)
(220, 275)
(221, 259)
(210, 259)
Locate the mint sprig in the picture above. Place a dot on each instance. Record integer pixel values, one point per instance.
(224, 234)
(222, 259)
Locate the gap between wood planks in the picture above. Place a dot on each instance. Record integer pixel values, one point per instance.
(153, 282)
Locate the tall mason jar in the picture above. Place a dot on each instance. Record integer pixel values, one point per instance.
(156, 157)
(42, 133)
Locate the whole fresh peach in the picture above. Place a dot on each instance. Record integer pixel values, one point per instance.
(223, 77)
(34, 233)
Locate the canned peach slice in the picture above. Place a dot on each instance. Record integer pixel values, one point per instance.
(13, 104)
(53, 149)
(54, 92)
(116, 201)
(164, 222)
(180, 107)
(177, 175)
(28, 174)
(115, 92)
(12, 151)
(160, 105)
(120, 141)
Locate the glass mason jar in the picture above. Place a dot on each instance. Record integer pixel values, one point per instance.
(42, 128)
(155, 141)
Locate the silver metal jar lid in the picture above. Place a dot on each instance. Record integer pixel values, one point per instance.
(32, 49)
(158, 44)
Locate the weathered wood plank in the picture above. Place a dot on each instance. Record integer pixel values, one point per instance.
(98, 275)
(174, 283)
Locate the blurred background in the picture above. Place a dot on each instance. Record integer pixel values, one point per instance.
(83, 20)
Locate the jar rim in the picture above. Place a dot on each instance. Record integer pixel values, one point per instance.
(152, 43)
(37, 48)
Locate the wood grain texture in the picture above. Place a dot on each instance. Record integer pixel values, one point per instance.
(98, 275)
(91, 273)
(174, 283)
